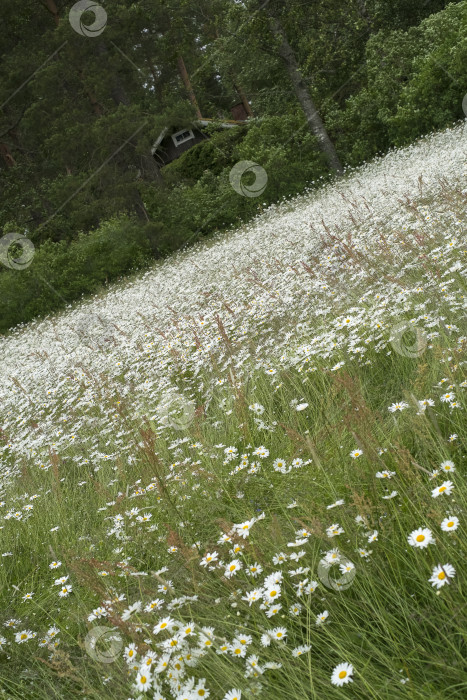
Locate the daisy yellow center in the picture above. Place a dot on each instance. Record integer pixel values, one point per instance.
(23, 636)
(232, 567)
(131, 652)
(238, 651)
(342, 674)
(279, 634)
(450, 523)
(201, 692)
(143, 679)
(441, 575)
(164, 624)
(273, 593)
(420, 538)
(442, 488)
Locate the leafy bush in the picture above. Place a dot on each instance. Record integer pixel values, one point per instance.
(61, 272)
(415, 83)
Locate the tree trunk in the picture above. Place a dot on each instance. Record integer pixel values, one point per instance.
(188, 86)
(96, 107)
(5, 154)
(149, 169)
(117, 91)
(52, 8)
(242, 96)
(315, 122)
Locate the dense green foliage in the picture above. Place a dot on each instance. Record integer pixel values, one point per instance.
(75, 139)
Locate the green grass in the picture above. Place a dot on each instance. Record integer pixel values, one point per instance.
(390, 623)
(404, 638)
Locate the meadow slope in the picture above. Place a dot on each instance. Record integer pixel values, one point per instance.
(195, 466)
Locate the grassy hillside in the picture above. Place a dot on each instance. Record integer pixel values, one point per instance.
(245, 468)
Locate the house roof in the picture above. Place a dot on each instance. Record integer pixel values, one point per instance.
(225, 124)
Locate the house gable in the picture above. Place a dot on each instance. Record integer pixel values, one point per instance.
(173, 141)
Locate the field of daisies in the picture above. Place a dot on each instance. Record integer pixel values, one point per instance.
(243, 474)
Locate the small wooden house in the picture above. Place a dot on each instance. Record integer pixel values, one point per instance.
(172, 142)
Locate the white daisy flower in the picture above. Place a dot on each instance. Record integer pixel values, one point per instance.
(386, 474)
(445, 488)
(232, 568)
(342, 674)
(450, 523)
(299, 651)
(356, 453)
(400, 406)
(322, 617)
(143, 681)
(441, 575)
(448, 466)
(234, 694)
(334, 530)
(421, 538)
